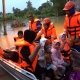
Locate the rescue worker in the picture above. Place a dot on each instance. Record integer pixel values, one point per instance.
(48, 30)
(72, 24)
(34, 24)
(28, 51)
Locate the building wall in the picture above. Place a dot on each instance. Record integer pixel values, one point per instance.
(77, 4)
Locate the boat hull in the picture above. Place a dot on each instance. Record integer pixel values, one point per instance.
(15, 71)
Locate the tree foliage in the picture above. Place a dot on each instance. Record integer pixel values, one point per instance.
(58, 6)
(47, 9)
(29, 5)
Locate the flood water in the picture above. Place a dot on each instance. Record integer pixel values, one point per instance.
(8, 41)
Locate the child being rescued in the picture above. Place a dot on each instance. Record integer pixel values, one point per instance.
(51, 69)
(57, 56)
(19, 36)
(41, 60)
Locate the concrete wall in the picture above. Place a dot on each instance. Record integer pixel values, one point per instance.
(77, 4)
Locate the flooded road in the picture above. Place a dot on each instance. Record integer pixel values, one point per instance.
(8, 41)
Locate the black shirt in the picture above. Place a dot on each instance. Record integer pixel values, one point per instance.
(25, 51)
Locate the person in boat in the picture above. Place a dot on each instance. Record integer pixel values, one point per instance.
(66, 46)
(48, 30)
(52, 71)
(10, 55)
(34, 23)
(57, 56)
(72, 24)
(40, 71)
(28, 51)
(20, 36)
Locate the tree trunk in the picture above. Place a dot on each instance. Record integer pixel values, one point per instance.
(4, 17)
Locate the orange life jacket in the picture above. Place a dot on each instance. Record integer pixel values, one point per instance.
(50, 33)
(1, 52)
(66, 49)
(23, 63)
(17, 38)
(32, 25)
(73, 26)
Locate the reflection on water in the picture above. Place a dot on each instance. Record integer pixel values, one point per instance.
(8, 41)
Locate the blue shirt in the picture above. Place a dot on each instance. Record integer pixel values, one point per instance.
(38, 24)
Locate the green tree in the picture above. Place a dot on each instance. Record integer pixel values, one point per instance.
(29, 5)
(45, 5)
(17, 12)
(13, 9)
(30, 9)
(46, 9)
(58, 6)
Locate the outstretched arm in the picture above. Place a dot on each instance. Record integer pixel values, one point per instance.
(33, 55)
(29, 58)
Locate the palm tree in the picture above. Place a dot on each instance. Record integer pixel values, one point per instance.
(13, 9)
(4, 17)
(29, 5)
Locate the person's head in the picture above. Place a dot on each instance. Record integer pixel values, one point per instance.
(14, 56)
(69, 8)
(42, 42)
(31, 17)
(46, 23)
(47, 50)
(45, 44)
(20, 34)
(56, 44)
(29, 36)
(62, 36)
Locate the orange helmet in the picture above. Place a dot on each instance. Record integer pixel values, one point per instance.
(46, 20)
(69, 5)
